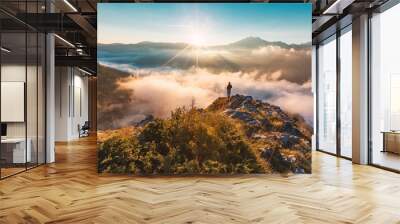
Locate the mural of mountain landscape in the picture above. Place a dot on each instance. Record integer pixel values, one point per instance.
(204, 89)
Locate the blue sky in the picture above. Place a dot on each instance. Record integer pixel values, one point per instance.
(203, 24)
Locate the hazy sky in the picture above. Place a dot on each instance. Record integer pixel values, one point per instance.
(202, 23)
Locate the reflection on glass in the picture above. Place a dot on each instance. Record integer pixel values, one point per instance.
(346, 94)
(385, 84)
(394, 102)
(22, 92)
(41, 99)
(31, 100)
(327, 96)
(14, 153)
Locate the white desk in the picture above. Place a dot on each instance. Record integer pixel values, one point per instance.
(19, 154)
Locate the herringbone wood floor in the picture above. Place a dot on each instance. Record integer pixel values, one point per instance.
(71, 191)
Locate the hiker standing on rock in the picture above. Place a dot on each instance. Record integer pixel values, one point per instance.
(228, 90)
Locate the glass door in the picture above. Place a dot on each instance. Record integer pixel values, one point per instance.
(327, 96)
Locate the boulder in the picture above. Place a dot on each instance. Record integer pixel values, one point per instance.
(288, 140)
(277, 161)
(146, 120)
(289, 127)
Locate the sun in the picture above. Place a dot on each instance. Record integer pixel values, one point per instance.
(197, 38)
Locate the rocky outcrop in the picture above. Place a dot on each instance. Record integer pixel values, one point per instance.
(146, 120)
(283, 139)
(264, 116)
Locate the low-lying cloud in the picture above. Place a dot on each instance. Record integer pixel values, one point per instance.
(164, 78)
(268, 62)
(159, 92)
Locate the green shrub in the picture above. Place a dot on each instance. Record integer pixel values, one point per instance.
(190, 141)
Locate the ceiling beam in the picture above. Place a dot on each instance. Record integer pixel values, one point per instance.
(77, 61)
(84, 24)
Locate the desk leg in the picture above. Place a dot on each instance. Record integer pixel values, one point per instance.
(384, 142)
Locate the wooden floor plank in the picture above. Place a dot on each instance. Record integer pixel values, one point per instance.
(71, 191)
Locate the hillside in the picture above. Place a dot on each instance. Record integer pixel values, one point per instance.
(242, 135)
(111, 100)
(282, 139)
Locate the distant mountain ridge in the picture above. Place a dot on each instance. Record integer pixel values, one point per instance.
(247, 43)
(256, 42)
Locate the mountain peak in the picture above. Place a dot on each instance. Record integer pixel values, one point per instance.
(250, 42)
(252, 38)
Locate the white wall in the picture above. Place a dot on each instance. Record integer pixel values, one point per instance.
(71, 103)
(16, 73)
(62, 81)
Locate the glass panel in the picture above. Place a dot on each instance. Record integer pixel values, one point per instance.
(346, 94)
(385, 84)
(31, 98)
(41, 99)
(314, 85)
(13, 86)
(32, 87)
(327, 96)
(23, 90)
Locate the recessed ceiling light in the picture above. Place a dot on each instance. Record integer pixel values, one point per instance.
(337, 7)
(64, 40)
(5, 50)
(84, 71)
(70, 5)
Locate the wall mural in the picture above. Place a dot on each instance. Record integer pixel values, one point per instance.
(221, 88)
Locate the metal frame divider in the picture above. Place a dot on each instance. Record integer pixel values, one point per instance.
(369, 97)
(0, 92)
(338, 76)
(316, 122)
(26, 86)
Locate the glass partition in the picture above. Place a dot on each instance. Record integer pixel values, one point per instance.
(327, 95)
(41, 97)
(31, 98)
(385, 89)
(22, 88)
(346, 93)
(14, 155)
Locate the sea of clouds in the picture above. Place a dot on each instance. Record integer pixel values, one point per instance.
(276, 75)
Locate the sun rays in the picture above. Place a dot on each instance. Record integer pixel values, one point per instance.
(196, 35)
(195, 50)
(196, 43)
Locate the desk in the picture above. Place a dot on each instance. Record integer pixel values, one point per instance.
(13, 150)
(391, 141)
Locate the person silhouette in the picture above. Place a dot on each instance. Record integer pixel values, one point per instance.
(228, 90)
